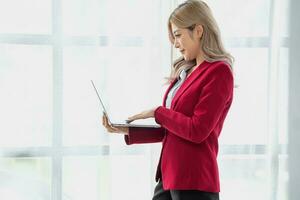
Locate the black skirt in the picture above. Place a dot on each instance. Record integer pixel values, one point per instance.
(161, 194)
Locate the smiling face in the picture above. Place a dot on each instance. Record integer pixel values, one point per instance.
(187, 41)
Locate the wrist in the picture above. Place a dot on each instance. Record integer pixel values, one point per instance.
(153, 112)
(126, 131)
(156, 114)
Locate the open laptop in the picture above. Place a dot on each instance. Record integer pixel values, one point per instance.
(122, 123)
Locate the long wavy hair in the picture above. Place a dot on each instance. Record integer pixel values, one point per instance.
(187, 15)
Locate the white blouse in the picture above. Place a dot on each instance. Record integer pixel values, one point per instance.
(175, 88)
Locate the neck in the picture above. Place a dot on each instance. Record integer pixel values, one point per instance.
(199, 58)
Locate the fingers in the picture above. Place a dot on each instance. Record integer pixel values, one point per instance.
(112, 129)
(129, 120)
(104, 121)
(135, 117)
(108, 127)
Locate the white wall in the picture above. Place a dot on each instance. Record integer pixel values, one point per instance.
(294, 101)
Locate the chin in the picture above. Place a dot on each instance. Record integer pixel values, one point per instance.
(186, 58)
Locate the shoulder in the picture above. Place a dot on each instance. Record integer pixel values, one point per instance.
(218, 75)
(219, 67)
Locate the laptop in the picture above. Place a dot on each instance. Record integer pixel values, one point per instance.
(123, 123)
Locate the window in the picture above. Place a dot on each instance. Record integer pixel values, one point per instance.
(51, 133)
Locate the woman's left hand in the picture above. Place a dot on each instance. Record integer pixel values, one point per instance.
(143, 115)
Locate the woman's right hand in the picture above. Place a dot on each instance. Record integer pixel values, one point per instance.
(112, 129)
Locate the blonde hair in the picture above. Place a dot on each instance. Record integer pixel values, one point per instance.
(187, 15)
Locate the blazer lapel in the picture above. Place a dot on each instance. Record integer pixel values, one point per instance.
(188, 82)
(167, 92)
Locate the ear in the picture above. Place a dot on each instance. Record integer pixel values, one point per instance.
(198, 30)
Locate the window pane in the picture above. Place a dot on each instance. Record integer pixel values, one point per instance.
(84, 17)
(283, 96)
(120, 73)
(283, 18)
(81, 108)
(87, 173)
(106, 177)
(136, 171)
(236, 18)
(283, 179)
(30, 16)
(247, 119)
(26, 95)
(107, 17)
(25, 178)
(244, 176)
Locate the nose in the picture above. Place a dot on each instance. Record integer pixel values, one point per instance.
(176, 44)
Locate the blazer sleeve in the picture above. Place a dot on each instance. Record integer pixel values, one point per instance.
(144, 135)
(216, 92)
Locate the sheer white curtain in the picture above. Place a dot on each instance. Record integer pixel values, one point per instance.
(51, 132)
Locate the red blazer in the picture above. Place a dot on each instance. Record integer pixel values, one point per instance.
(190, 129)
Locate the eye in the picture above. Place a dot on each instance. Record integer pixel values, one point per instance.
(178, 35)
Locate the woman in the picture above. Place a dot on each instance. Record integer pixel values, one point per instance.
(194, 108)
